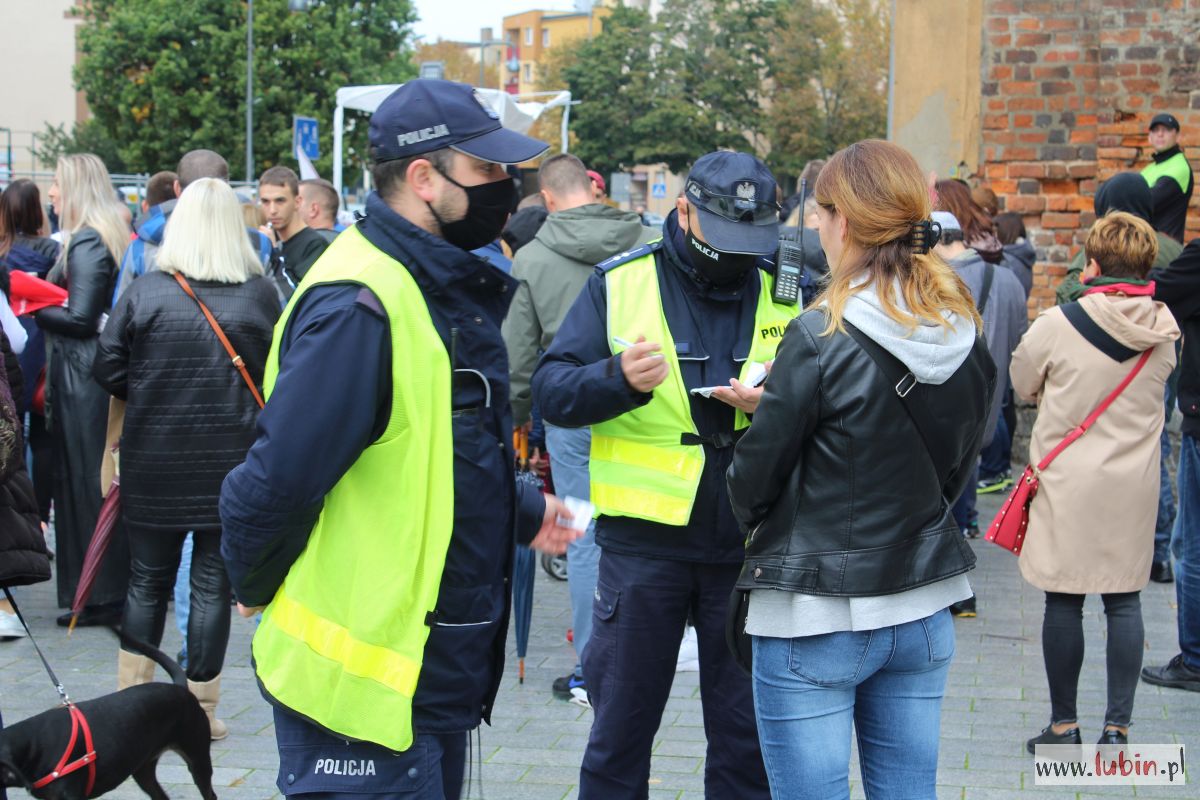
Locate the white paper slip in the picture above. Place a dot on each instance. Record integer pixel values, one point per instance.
(756, 374)
(754, 378)
(581, 512)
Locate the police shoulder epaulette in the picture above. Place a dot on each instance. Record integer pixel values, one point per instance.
(625, 256)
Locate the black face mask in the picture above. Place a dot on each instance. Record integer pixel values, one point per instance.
(718, 268)
(488, 207)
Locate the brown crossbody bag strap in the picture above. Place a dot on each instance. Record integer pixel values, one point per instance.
(237, 360)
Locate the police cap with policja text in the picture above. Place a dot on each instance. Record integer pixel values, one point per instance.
(734, 195)
(426, 115)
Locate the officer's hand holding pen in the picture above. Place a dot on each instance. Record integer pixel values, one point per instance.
(643, 366)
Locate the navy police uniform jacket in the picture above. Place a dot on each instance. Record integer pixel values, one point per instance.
(332, 399)
(579, 382)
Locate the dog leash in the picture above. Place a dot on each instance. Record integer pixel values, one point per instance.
(78, 721)
(49, 671)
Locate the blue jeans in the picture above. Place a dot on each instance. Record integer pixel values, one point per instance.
(183, 594)
(570, 451)
(887, 683)
(1186, 544)
(963, 509)
(1165, 522)
(996, 457)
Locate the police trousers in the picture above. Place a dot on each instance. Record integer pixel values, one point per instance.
(641, 607)
(316, 765)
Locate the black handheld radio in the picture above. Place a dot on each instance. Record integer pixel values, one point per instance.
(789, 262)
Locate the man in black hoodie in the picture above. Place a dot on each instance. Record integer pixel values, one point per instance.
(1179, 287)
(1127, 191)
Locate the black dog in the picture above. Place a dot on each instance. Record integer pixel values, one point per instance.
(130, 730)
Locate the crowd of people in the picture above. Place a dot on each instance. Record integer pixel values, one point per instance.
(314, 424)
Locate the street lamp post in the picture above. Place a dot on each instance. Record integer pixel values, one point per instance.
(249, 91)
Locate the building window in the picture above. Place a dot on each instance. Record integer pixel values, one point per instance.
(528, 73)
(529, 36)
(545, 37)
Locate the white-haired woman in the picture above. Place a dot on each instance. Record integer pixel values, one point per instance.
(189, 420)
(94, 240)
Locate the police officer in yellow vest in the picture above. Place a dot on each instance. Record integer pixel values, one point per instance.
(374, 518)
(658, 356)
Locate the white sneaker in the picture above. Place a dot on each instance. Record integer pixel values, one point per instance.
(579, 697)
(689, 652)
(10, 626)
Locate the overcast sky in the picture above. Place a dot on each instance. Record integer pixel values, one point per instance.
(461, 19)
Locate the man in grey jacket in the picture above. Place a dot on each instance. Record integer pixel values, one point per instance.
(1001, 302)
(553, 268)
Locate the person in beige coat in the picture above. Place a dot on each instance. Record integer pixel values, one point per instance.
(1091, 525)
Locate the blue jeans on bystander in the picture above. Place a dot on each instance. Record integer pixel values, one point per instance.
(886, 683)
(570, 452)
(1186, 545)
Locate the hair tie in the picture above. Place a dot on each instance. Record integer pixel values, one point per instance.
(924, 235)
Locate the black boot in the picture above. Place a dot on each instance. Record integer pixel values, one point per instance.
(1176, 675)
(1048, 736)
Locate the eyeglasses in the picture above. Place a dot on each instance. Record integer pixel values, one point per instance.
(735, 207)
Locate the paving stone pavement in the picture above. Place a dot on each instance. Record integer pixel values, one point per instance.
(995, 699)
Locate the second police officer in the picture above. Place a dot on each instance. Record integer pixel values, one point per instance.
(691, 311)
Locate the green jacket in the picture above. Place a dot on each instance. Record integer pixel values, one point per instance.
(1071, 289)
(552, 270)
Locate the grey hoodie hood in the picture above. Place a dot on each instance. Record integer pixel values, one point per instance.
(930, 352)
(593, 233)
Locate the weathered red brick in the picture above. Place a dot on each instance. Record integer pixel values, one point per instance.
(1034, 169)
(1025, 204)
(1058, 220)
(1026, 104)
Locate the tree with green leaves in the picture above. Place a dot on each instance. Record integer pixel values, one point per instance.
(163, 77)
(672, 89)
(829, 65)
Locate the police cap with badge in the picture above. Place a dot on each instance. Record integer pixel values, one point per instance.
(427, 114)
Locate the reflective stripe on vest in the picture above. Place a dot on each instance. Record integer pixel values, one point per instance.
(638, 467)
(342, 641)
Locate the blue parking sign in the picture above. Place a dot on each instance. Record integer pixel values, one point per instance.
(304, 136)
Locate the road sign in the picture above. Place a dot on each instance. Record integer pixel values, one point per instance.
(658, 190)
(304, 137)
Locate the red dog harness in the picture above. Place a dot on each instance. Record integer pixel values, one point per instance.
(78, 722)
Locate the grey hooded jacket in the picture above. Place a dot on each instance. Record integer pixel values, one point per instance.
(1005, 319)
(552, 270)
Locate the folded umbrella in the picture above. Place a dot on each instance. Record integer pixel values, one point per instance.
(106, 523)
(30, 293)
(524, 563)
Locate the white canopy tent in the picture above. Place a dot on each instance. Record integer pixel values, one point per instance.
(519, 116)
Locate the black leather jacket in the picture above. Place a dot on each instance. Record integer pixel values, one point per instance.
(90, 273)
(833, 482)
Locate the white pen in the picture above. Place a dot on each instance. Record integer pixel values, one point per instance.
(626, 343)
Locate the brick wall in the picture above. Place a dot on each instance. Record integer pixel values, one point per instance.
(1068, 87)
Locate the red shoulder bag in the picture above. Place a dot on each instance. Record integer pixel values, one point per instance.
(1008, 528)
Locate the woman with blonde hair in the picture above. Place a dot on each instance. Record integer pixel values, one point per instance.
(94, 240)
(189, 420)
(872, 417)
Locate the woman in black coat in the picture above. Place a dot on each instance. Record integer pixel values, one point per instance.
(189, 420)
(94, 241)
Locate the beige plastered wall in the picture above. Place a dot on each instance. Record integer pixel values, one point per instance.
(39, 52)
(934, 93)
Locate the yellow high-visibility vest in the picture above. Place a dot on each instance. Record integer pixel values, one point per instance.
(638, 466)
(342, 641)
